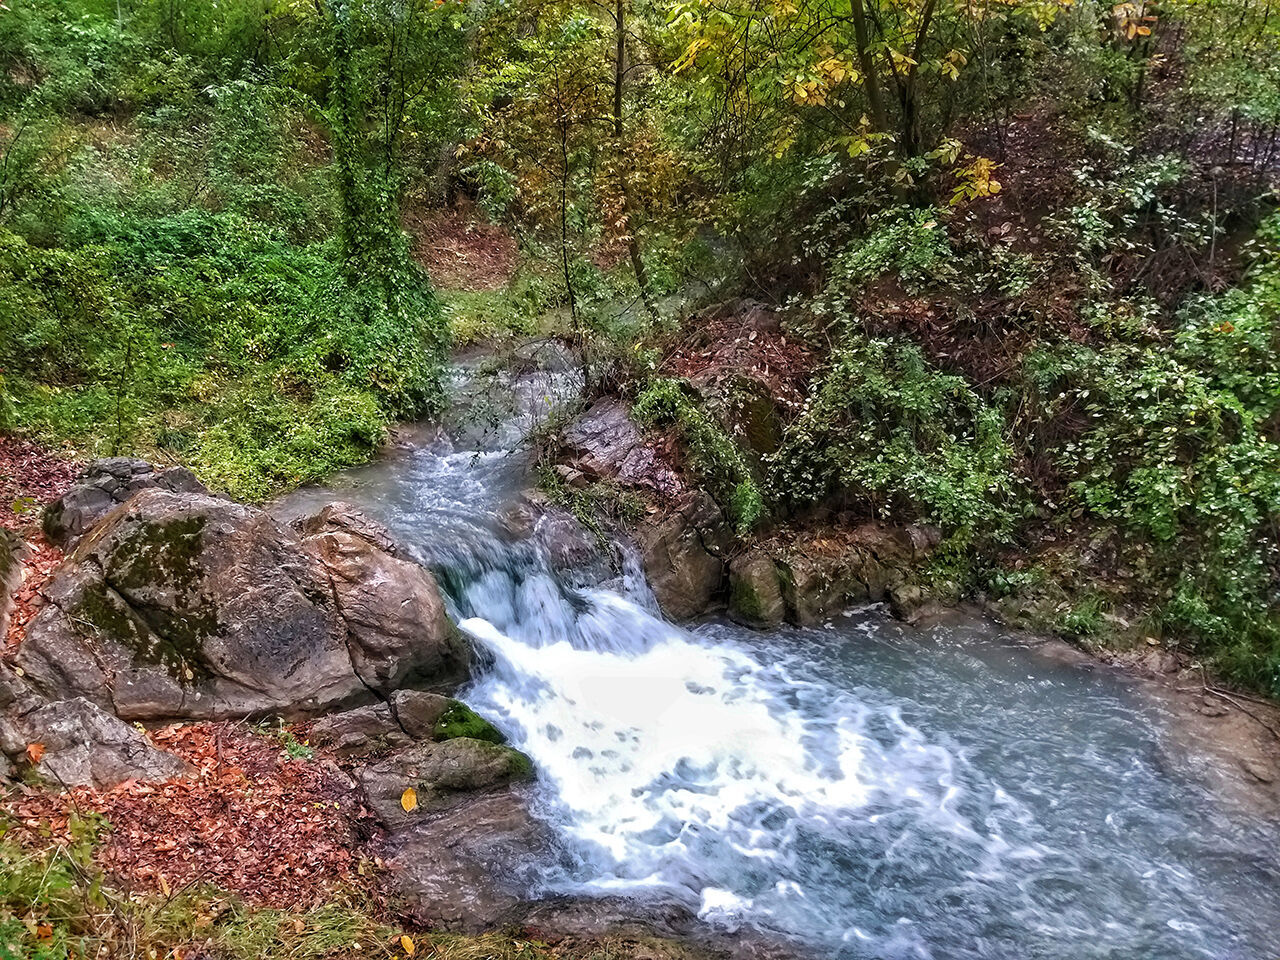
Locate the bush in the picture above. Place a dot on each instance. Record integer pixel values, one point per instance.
(214, 336)
(883, 427)
(715, 455)
(1178, 447)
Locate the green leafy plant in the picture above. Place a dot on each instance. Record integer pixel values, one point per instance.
(715, 455)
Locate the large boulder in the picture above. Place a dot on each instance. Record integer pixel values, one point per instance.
(397, 631)
(105, 485)
(605, 444)
(469, 867)
(183, 605)
(755, 590)
(822, 574)
(684, 554)
(74, 742)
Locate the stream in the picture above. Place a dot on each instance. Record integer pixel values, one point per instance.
(863, 789)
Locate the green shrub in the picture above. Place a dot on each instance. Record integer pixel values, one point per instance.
(1178, 448)
(883, 427)
(714, 454)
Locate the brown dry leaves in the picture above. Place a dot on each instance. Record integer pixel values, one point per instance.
(280, 832)
(30, 477)
(37, 568)
(722, 347)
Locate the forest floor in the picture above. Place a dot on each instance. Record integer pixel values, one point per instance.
(31, 476)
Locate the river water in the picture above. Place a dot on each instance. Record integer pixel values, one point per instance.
(864, 789)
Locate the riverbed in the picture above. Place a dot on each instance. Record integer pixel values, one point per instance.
(862, 789)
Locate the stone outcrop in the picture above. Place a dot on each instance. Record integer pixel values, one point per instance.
(806, 580)
(409, 716)
(468, 867)
(441, 774)
(605, 444)
(183, 605)
(755, 590)
(684, 551)
(397, 631)
(73, 743)
(105, 485)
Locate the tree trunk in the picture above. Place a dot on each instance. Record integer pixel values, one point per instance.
(870, 78)
(628, 209)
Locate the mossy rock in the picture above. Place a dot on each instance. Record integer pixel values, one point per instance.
(461, 721)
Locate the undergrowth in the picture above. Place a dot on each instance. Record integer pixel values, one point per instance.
(715, 456)
(56, 904)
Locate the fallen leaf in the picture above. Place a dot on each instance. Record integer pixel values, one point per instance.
(35, 751)
(409, 800)
(408, 945)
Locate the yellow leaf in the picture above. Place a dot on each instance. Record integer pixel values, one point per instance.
(408, 945)
(409, 800)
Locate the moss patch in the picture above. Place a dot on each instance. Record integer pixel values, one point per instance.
(461, 721)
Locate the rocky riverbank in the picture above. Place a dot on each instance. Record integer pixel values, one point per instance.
(265, 707)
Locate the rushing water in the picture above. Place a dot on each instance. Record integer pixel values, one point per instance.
(865, 789)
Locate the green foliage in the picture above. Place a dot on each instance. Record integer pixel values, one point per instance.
(169, 284)
(294, 748)
(717, 458)
(492, 316)
(596, 506)
(912, 244)
(884, 427)
(1177, 445)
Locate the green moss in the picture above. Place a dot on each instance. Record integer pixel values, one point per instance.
(461, 721)
(105, 613)
(520, 766)
(151, 555)
(745, 600)
(167, 553)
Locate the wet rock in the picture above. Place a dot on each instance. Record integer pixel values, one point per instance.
(467, 868)
(364, 730)
(409, 716)
(1262, 772)
(866, 565)
(442, 774)
(182, 605)
(397, 630)
(755, 590)
(605, 444)
(814, 588)
(105, 485)
(1210, 707)
(572, 550)
(683, 552)
(79, 743)
(417, 712)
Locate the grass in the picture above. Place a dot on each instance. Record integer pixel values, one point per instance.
(55, 904)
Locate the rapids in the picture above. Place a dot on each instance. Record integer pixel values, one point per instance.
(864, 789)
